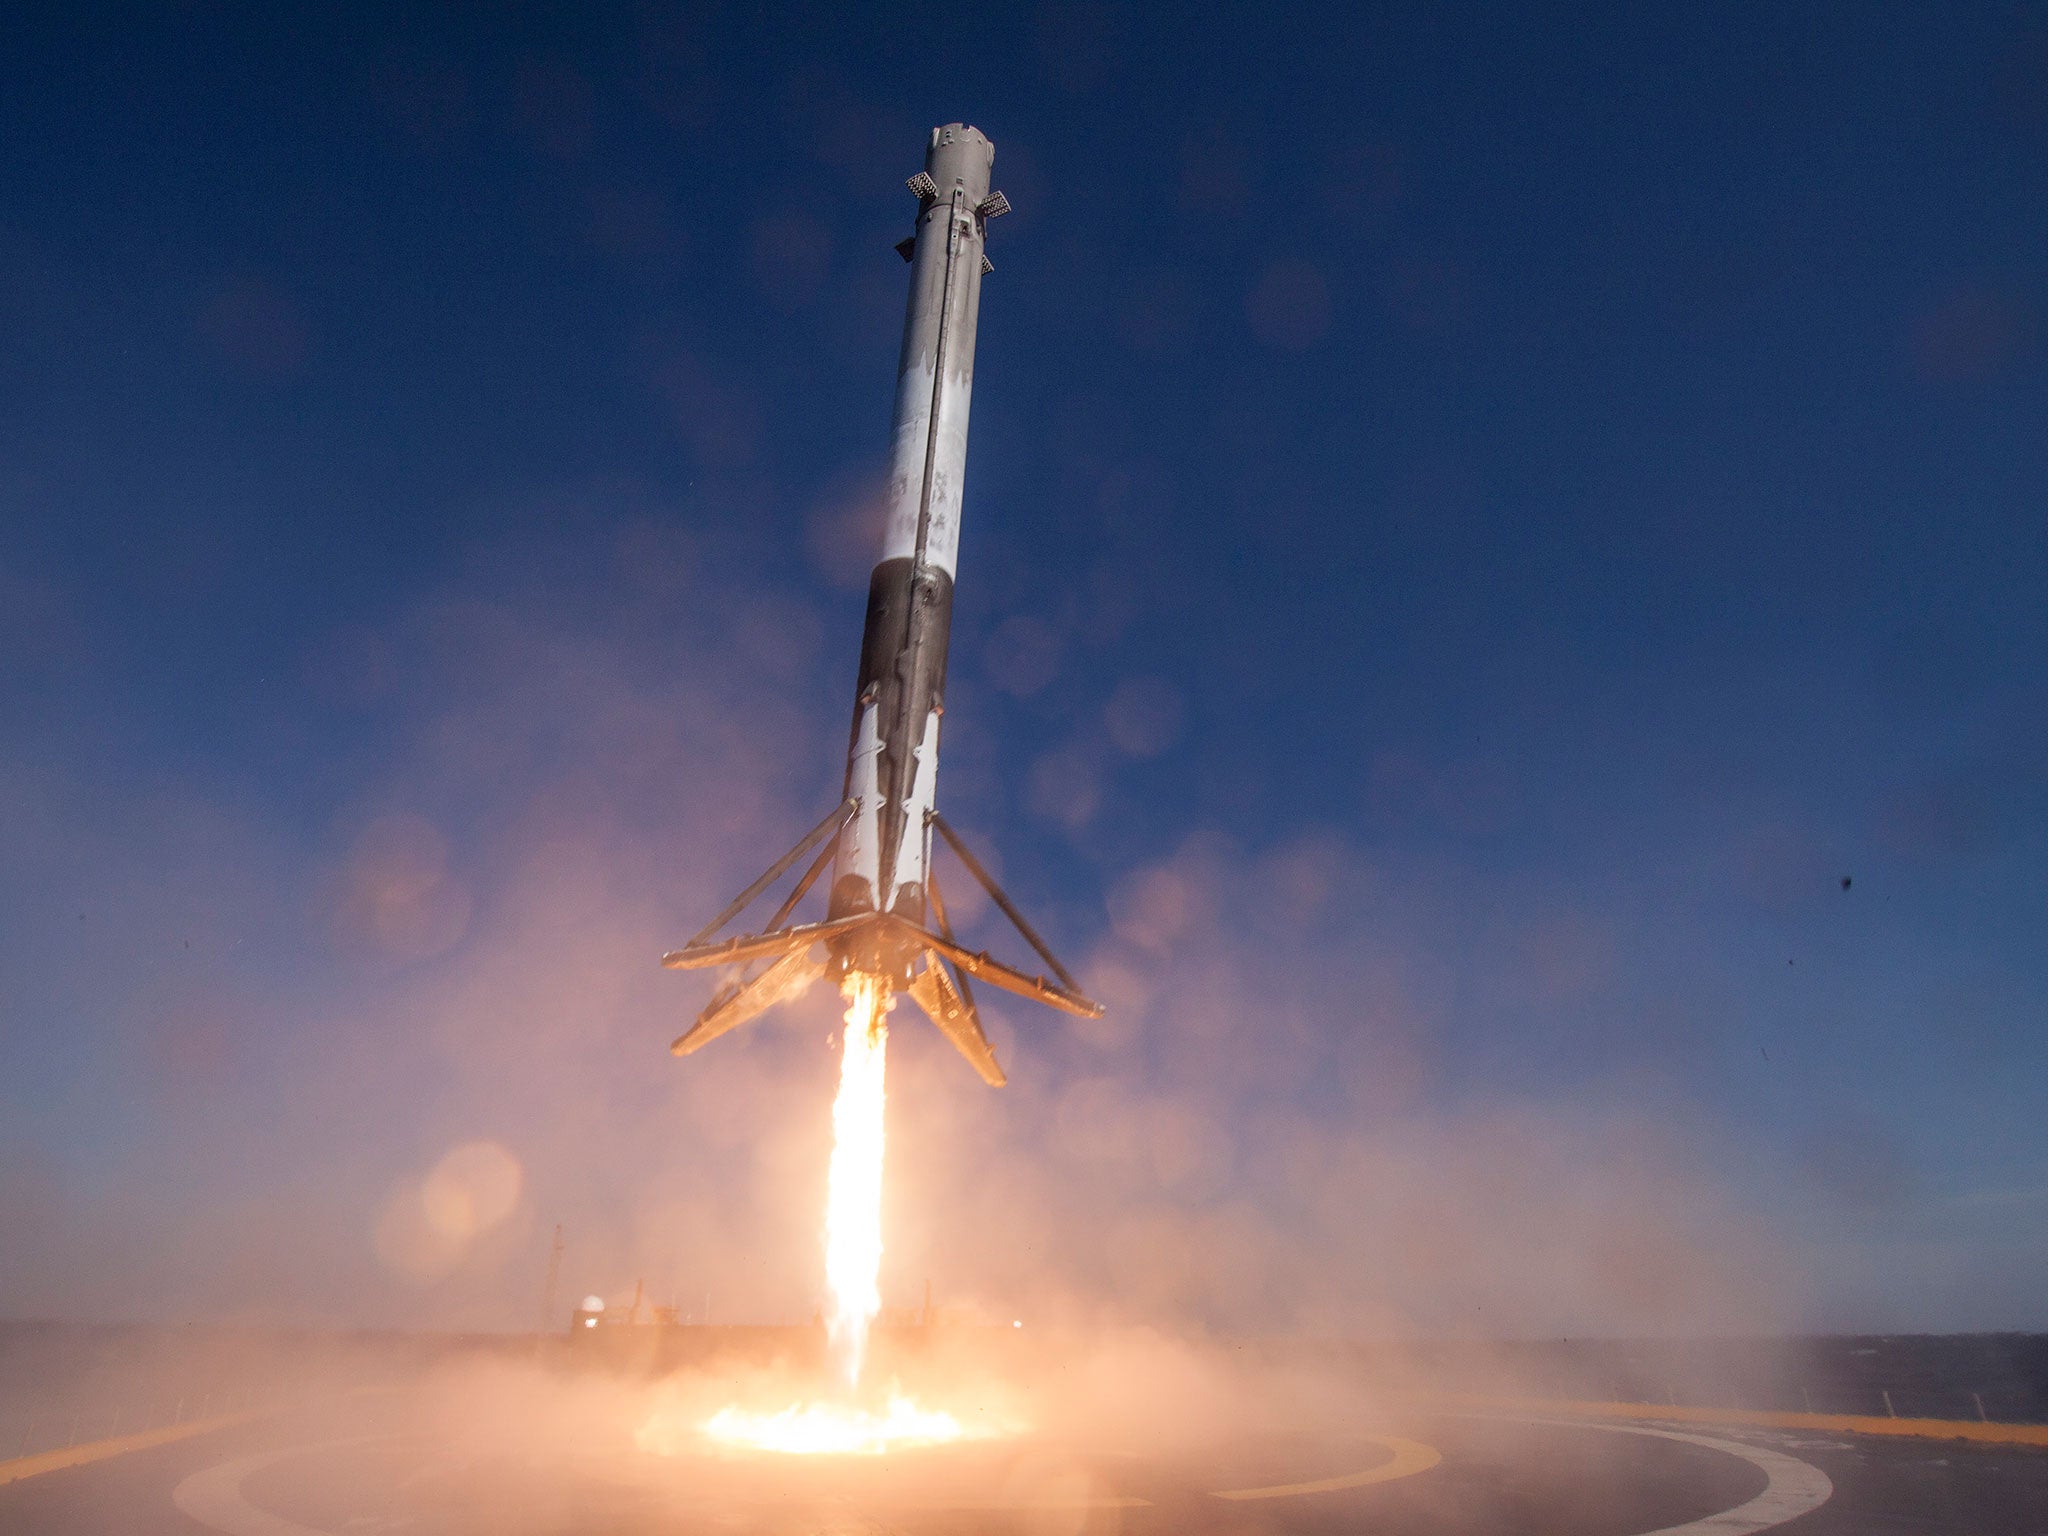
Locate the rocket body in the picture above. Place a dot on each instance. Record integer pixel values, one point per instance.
(885, 919)
(883, 855)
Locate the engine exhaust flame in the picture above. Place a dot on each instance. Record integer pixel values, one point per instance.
(853, 1201)
(856, 1423)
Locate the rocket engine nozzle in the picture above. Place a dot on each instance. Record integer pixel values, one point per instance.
(875, 949)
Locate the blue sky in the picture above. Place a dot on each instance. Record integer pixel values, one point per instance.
(1478, 520)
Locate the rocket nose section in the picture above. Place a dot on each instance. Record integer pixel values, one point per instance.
(961, 154)
(961, 133)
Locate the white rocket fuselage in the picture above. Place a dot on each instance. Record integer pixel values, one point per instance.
(883, 856)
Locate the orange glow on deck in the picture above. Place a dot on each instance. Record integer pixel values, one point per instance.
(853, 1263)
(841, 1429)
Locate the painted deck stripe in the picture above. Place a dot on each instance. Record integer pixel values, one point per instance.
(1760, 1418)
(120, 1445)
(1410, 1457)
(1080, 1501)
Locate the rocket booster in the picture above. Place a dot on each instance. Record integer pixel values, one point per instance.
(892, 762)
(885, 916)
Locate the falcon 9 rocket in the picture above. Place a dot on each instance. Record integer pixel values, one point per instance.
(885, 915)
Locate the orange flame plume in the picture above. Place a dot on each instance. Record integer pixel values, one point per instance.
(853, 1201)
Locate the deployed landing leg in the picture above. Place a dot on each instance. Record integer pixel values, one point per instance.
(939, 986)
(792, 971)
(1009, 910)
(949, 1002)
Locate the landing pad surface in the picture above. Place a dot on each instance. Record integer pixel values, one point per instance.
(370, 1467)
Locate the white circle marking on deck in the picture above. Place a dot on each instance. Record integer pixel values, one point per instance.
(214, 1497)
(1793, 1486)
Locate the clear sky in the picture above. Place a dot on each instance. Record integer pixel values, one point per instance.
(1502, 621)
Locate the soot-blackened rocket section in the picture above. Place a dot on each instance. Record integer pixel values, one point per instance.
(884, 893)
